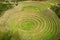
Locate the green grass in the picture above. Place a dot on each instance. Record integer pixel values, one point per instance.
(56, 9)
(4, 7)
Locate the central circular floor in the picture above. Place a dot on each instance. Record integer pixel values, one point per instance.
(27, 25)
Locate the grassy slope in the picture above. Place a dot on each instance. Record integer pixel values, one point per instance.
(4, 7)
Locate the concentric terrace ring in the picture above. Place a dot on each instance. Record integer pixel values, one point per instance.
(32, 24)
